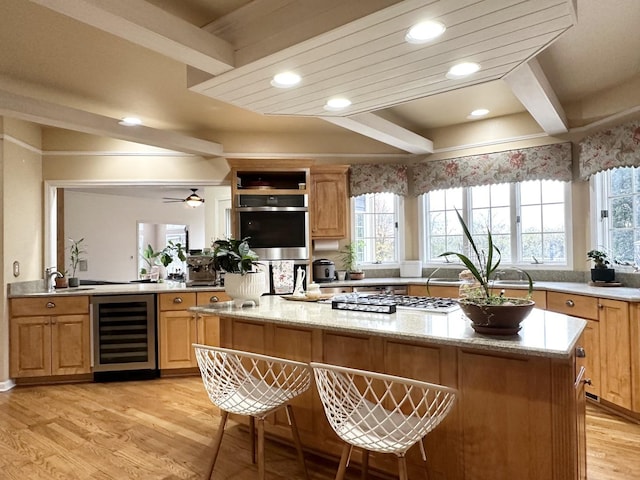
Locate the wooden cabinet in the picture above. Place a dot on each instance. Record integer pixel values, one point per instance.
(532, 404)
(179, 328)
(445, 291)
(49, 336)
(609, 344)
(615, 352)
(329, 201)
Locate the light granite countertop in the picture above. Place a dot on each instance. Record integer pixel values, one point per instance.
(545, 334)
(36, 289)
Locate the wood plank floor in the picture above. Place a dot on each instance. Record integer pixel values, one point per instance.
(163, 429)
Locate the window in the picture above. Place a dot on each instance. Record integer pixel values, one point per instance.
(528, 221)
(618, 205)
(376, 232)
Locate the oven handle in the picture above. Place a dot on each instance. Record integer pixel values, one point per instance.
(272, 209)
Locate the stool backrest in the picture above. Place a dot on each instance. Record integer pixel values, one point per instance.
(237, 380)
(390, 413)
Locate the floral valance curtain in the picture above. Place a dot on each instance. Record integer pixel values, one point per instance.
(547, 162)
(378, 178)
(615, 147)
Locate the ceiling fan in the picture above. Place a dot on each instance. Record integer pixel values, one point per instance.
(193, 200)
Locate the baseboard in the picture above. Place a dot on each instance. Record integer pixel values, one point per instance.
(6, 385)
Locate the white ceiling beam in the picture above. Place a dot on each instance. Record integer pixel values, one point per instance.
(530, 85)
(373, 126)
(151, 27)
(54, 115)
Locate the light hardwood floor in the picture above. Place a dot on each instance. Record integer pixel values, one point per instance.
(162, 429)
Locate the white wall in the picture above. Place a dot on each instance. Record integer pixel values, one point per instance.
(108, 224)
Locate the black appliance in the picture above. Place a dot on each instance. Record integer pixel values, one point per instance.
(277, 224)
(124, 337)
(324, 270)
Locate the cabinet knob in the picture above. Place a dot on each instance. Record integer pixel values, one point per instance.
(580, 353)
(214, 299)
(53, 321)
(51, 305)
(570, 303)
(587, 381)
(177, 300)
(600, 306)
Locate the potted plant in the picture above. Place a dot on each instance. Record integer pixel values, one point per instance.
(62, 281)
(349, 258)
(489, 312)
(242, 281)
(162, 257)
(601, 272)
(76, 251)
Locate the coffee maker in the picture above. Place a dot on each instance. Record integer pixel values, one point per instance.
(200, 271)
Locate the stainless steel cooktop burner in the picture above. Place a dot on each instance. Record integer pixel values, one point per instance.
(411, 302)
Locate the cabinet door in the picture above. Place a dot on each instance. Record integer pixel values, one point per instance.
(590, 341)
(70, 345)
(445, 291)
(329, 205)
(208, 330)
(177, 334)
(615, 352)
(30, 339)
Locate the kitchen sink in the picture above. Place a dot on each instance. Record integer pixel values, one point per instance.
(442, 279)
(74, 289)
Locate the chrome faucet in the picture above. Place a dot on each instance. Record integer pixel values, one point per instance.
(49, 273)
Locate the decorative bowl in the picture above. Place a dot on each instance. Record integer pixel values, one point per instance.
(502, 319)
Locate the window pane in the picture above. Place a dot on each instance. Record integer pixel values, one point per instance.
(481, 196)
(532, 246)
(621, 180)
(530, 193)
(500, 194)
(554, 248)
(530, 219)
(622, 212)
(552, 191)
(376, 232)
(436, 200)
(551, 220)
(500, 220)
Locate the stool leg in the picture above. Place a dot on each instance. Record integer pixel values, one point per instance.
(342, 468)
(364, 475)
(296, 439)
(252, 437)
(218, 441)
(261, 448)
(402, 468)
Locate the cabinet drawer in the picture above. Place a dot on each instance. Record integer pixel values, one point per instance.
(205, 298)
(177, 301)
(24, 307)
(574, 305)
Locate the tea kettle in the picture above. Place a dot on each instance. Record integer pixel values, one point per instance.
(324, 270)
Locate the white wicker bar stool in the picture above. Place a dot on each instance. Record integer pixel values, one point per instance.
(379, 412)
(255, 385)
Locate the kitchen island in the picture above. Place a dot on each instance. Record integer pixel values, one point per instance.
(520, 412)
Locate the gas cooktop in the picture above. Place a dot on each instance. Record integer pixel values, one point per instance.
(405, 302)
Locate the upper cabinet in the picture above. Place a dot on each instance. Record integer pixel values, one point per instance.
(329, 201)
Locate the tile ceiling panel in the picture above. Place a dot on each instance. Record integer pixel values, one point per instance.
(369, 62)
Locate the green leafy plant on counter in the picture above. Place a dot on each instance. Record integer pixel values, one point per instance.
(76, 251)
(163, 257)
(349, 256)
(234, 256)
(599, 257)
(481, 268)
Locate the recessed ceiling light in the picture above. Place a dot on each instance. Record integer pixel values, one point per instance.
(130, 121)
(462, 70)
(424, 31)
(480, 112)
(285, 80)
(337, 103)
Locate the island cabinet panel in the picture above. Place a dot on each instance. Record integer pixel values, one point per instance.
(179, 328)
(517, 416)
(49, 336)
(505, 400)
(329, 201)
(615, 352)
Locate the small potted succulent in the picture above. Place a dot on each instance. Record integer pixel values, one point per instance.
(601, 272)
